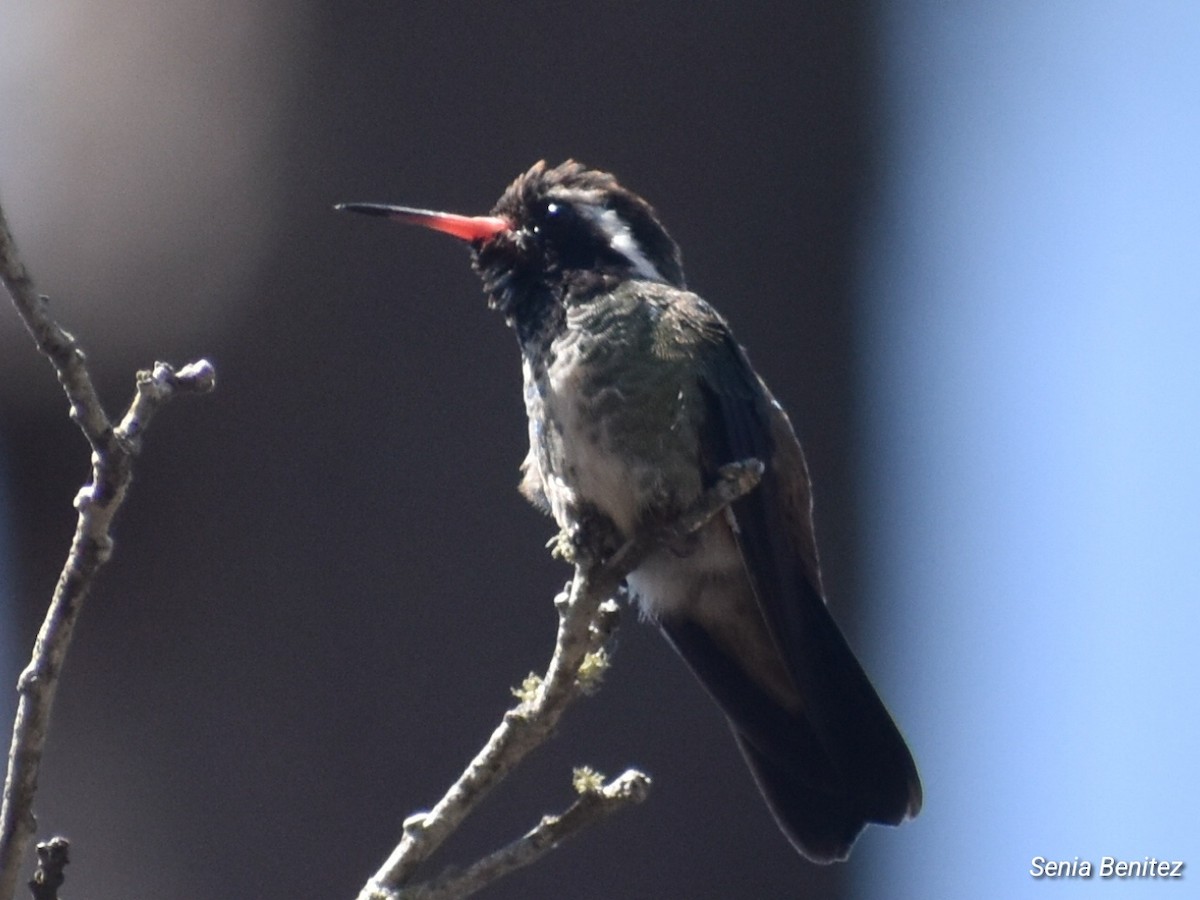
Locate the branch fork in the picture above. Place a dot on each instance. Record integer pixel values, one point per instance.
(587, 617)
(113, 451)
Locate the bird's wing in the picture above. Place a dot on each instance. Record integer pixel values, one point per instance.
(775, 536)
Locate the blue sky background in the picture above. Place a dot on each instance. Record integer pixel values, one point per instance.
(1034, 435)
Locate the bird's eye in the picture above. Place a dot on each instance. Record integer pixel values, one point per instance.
(557, 214)
(554, 218)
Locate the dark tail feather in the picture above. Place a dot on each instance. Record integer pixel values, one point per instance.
(849, 719)
(820, 802)
(821, 825)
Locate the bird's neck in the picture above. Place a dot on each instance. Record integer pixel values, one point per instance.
(538, 312)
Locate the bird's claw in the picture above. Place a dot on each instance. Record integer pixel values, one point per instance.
(591, 537)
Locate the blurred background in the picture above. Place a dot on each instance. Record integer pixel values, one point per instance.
(962, 244)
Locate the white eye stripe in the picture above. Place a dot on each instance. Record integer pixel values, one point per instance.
(622, 240)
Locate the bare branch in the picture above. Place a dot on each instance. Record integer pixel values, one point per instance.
(594, 804)
(59, 346)
(49, 877)
(113, 451)
(581, 632)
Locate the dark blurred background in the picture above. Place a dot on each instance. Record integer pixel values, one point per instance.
(325, 582)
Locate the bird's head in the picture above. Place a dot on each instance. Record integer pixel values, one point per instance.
(555, 233)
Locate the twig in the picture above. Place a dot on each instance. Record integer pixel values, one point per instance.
(529, 724)
(113, 451)
(49, 877)
(58, 345)
(594, 804)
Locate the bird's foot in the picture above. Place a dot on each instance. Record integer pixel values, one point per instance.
(564, 545)
(592, 537)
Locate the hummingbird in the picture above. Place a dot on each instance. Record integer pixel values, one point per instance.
(637, 394)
